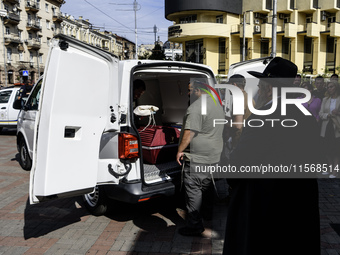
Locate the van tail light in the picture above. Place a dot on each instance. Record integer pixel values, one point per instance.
(128, 146)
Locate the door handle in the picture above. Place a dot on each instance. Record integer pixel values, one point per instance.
(3, 108)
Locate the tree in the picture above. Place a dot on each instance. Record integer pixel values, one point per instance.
(157, 53)
(145, 56)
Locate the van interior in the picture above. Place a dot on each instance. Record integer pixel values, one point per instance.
(169, 92)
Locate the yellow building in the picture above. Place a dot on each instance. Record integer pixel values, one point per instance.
(212, 32)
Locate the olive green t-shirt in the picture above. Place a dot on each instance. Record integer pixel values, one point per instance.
(207, 143)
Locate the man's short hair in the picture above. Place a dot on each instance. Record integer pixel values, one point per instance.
(238, 79)
(319, 77)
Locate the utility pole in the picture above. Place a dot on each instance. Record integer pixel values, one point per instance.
(244, 38)
(155, 30)
(274, 24)
(136, 7)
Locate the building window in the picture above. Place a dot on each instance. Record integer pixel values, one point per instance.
(9, 54)
(194, 51)
(10, 76)
(48, 41)
(292, 4)
(31, 57)
(47, 24)
(21, 56)
(221, 56)
(19, 34)
(53, 11)
(219, 19)
(188, 19)
(330, 53)
(308, 56)
(264, 48)
(30, 36)
(316, 4)
(40, 59)
(269, 4)
(286, 48)
(46, 7)
(8, 31)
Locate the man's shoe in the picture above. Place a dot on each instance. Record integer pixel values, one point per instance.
(186, 231)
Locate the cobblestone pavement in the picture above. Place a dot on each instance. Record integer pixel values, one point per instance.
(65, 227)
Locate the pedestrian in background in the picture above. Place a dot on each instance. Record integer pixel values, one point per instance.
(314, 104)
(330, 125)
(274, 216)
(320, 89)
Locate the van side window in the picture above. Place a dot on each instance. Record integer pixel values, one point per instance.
(33, 101)
(4, 96)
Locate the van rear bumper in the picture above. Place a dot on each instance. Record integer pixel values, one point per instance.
(137, 192)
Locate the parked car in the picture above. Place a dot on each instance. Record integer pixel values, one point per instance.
(87, 141)
(8, 115)
(26, 123)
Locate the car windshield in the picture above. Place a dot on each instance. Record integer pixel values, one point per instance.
(4, 96)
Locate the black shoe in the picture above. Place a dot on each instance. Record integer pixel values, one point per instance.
(186, 231)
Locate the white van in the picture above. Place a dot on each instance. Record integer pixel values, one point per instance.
(8, 115)
(87, 139)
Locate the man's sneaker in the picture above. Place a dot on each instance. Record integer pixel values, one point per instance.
(186, 231)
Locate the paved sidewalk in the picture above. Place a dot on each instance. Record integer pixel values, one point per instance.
(65, 227)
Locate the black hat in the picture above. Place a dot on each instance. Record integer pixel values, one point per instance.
(277, 68)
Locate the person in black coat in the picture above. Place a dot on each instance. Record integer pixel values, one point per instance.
(274, 216)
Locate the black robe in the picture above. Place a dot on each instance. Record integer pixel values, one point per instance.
(275, 216)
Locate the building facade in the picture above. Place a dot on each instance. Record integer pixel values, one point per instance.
(27, 29)
(212, 32)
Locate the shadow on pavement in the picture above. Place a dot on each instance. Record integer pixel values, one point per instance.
(46, 217)
(8, 131)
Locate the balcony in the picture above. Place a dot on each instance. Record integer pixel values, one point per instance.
(33, 44)
(290, 30)
(13, 39)
(12, 18)
(33, 25)
(57, 17)
(266, 30)
(313, 29)
(182, 32)
(12, 1)
(31, 6)
(334, 29)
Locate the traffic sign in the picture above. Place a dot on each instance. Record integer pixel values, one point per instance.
(24, 73)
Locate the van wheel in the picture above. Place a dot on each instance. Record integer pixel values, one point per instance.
(95, 202)
(25, 160)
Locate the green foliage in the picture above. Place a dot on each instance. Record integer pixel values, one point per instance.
(157, 53)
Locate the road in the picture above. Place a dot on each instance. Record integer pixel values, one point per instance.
(65, 227)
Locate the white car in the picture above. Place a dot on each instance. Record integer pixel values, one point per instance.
(8, 115)
(25, 127)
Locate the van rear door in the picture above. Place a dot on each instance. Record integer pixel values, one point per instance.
(79, 95)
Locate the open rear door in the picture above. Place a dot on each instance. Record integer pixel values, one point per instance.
(79, 94)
